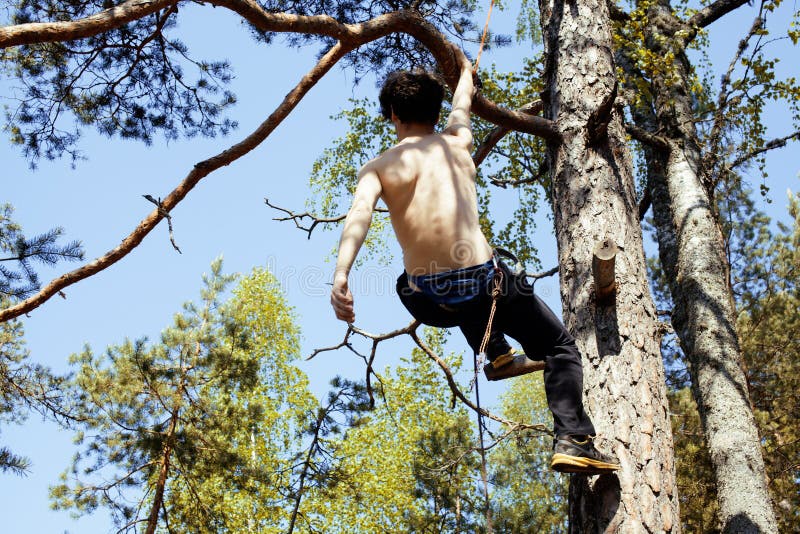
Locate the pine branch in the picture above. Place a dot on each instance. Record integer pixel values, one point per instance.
(48, 32)
(13, 463)
(350, 36)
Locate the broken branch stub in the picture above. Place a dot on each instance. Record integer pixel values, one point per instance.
(605, 285)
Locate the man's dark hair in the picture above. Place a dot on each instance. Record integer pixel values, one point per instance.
(413, 96)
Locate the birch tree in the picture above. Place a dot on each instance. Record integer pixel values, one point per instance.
(686, 162)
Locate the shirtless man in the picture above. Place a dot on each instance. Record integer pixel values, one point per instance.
(427, 181)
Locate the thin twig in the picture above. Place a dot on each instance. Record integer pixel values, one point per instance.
(315, 220)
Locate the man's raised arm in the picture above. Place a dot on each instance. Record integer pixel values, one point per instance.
(458, 122)
(356, 226)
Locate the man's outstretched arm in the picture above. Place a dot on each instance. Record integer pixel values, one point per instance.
(458, 123)
(356, 226)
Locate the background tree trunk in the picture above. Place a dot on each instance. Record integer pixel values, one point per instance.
(594, 199)
(692, 253)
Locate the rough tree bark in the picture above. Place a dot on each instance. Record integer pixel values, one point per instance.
(692, 253)
(594, 199)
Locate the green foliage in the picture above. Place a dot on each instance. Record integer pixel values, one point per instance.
(694, 471)
(24, 387)
(769, 329)
(21, 281)
(397, 443)
(191, 404)
(12, 355)
(528, 496)
(132, 81)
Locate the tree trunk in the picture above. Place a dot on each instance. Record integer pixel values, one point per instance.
(692, 252)
(158, 499)
(594, 199)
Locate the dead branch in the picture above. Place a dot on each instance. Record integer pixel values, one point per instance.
(315, 220)
(544, 274)
(200, 171)
(537, 177)
(770, 145)
(643, 136)
(457, 392)
(644, 203)
(600, 118)
(411, 330)
(165, 214)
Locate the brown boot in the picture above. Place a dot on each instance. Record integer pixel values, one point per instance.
(510, 364)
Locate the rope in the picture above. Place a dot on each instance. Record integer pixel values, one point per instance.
(484, 470)
(483, 37)
(478, 360)
(498, 280)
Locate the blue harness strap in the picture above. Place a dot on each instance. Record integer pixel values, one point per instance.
(456, 286)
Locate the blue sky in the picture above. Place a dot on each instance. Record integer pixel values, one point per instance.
(101, 201)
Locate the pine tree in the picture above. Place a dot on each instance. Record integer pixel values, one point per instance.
(165, 431)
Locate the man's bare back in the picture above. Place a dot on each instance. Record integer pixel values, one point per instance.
(428, 185)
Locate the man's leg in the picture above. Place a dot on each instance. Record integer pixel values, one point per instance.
(543, 336)
(526, 318)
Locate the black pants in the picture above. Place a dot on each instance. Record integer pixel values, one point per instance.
(525, 317)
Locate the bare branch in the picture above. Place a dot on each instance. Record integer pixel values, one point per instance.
(457, 392)
(46, 32)
(643, 136)
(411, 330)
(775, 143)
(544, 274)
(298, 217)
(713, 12)
(516, 183)
(600, 118)
(200, 171)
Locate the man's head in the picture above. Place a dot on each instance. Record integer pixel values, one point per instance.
(414, 97)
